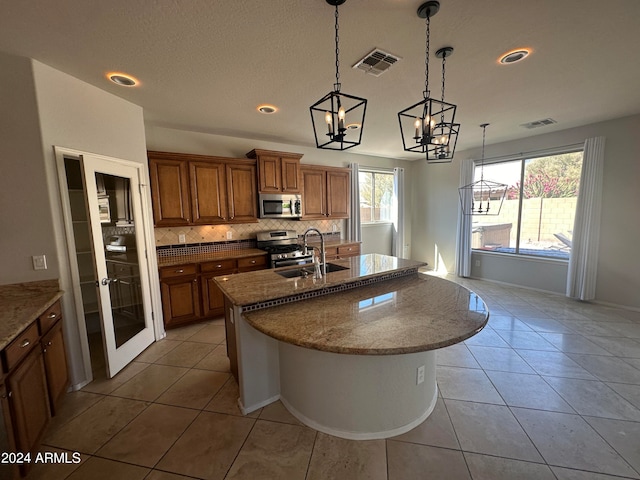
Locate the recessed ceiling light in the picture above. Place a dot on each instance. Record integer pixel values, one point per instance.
(353, 126)
(514, 56)
(122, 79)
(267, 109)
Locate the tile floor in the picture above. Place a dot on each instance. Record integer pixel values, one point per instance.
(550, 389)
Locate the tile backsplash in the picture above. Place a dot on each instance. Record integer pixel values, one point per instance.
(241, 231)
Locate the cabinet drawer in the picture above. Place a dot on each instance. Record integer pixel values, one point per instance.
(252, 263)
(48, 318)
(349, 250)
(21, 346)
(178, 270)
(222, 266)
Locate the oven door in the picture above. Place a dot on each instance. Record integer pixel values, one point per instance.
(289, 262)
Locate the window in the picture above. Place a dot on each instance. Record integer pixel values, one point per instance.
(376, 196)
(539, 208)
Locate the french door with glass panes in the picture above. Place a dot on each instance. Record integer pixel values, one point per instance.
(115, 216)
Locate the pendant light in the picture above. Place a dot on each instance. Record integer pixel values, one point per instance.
(485, 196)
(338, 118)
(429, 126)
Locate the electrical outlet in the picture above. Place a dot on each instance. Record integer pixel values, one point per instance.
(420, 375)
(477, 263)
(182, 238)
(39, 262)
(229, 235)
(334, 228)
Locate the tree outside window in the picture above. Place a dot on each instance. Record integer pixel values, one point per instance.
(376, 196)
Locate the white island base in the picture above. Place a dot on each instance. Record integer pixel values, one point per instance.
(358, 397)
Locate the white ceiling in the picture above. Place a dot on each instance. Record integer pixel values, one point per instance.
(205, 65)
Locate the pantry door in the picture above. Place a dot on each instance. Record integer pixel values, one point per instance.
(115, 215)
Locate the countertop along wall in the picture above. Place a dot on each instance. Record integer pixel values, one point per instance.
(435, 188)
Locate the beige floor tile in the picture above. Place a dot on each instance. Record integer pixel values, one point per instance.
(182, 333)
(573, 343)
(187, 354)
(566, 440)
(103, 385)
(340, 459)
(436, 430)
(194, 389)
(500, 359)
(150, 383)
(226, 401)
(621, 435)
(630, 393)
(74, 404)
(485, 467)
(466, 384)
(102, 469)
(594, 398)
(60, 469)
(456, 356)
(554, 364)
(95, 426)
(409, 461)
(608, 369)
(507, 322)
(213, 333)
(274, 451)
(570, 474)
(159, 475)
(622, 347)
(491, 430)
(277, 412)
(488, 338)
(157, 349)
(215, 360)
(526, 340)
(208, 447)
(529, 391)
(146, 439)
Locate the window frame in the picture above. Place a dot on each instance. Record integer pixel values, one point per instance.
(374, 172)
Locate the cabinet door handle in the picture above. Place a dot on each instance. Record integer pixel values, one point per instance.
(253, 261)
(25, 343)
(52, 315)
(49, 344)
(195, 280)
(219, 265)
(180, 271)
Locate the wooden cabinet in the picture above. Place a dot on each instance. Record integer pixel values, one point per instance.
(278, 172)
(55, 366)
(243, 197)
(202, 190)
(325, 192)
(180, 290)
(342, 251)
(169, 192)
(189, 293)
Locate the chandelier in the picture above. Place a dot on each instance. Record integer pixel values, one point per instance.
(429, 126)
(485, 196)
(338, 118)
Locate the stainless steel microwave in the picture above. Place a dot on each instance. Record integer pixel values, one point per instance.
(275, 205)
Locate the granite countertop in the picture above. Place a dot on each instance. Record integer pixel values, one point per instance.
(265, 285)
(23, 303)
(403, 315)
(209, 257)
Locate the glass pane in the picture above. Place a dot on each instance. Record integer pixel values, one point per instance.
(123, 271)
(383, 183)
(550, 194)
(498, 232)
(365, 180)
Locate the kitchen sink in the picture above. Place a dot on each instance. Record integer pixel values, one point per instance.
(307, 270)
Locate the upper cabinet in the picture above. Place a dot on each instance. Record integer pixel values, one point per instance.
(201, 190)
(278, 172)
(325, 192)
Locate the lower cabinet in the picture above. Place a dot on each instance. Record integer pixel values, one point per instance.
(189, 293)
(343, 251)
(35, 382)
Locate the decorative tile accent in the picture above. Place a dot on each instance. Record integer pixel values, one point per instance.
(200, 248)
(328, 290)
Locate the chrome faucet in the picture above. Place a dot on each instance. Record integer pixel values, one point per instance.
(323, 257)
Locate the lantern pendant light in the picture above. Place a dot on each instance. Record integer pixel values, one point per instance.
(338, 118)
(482, 197)
(429, 126)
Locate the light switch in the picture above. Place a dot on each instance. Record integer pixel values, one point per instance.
(39, 262)
(182, 238)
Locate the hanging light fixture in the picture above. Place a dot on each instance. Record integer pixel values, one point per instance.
(338, 118)
(429, 126)
(482, 197)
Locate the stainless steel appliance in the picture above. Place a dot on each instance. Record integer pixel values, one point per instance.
(283, 248)
(120, 246)
(276, 205)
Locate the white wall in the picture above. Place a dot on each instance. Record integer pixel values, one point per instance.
(377, 238)
(435, 205)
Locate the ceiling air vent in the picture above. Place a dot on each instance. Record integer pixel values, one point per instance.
(539, 123)
(376, 62)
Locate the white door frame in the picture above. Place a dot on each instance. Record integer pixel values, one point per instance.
(146, 230)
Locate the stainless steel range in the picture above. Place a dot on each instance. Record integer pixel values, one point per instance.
(283, 248)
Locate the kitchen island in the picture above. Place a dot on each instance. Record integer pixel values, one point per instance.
(351, 354)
